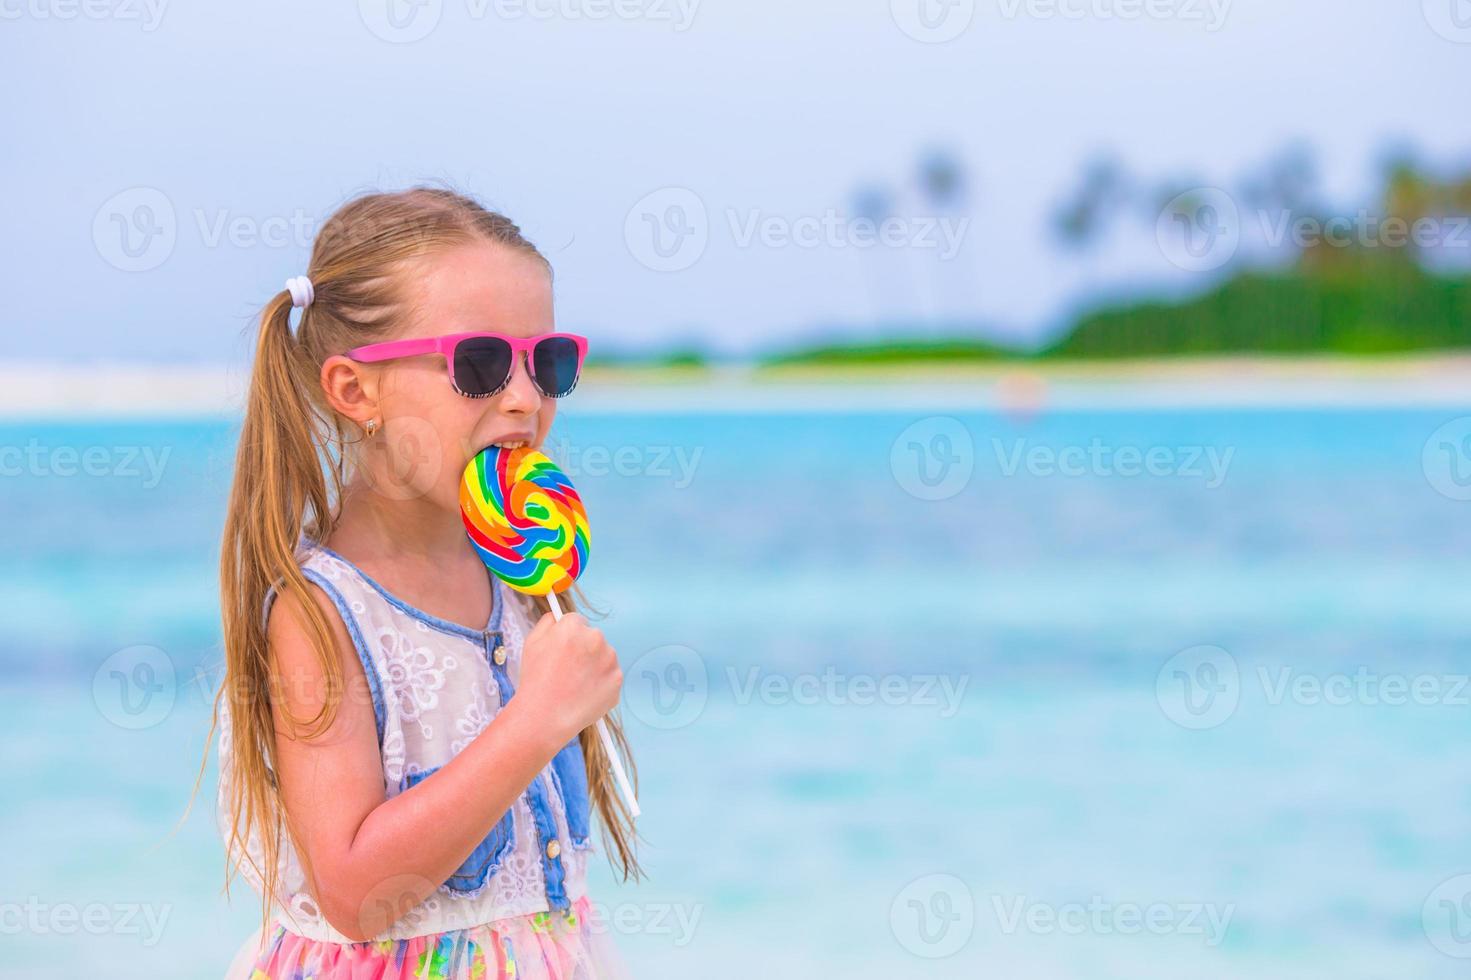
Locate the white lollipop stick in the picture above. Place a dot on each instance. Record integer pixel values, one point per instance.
(619, 776)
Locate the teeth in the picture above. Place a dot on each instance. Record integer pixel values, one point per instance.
(511, 444)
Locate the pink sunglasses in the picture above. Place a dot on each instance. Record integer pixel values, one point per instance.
(480, 364)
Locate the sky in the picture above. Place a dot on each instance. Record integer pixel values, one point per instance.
(690, 167)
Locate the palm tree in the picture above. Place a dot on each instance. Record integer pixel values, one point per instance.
(942, 188)
(1104, 190)
(873, 203)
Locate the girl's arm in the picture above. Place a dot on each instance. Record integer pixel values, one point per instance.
(369, 860)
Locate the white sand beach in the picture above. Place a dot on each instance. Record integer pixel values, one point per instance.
(40, 390)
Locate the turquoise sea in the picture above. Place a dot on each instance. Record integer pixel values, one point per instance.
(1087, 718)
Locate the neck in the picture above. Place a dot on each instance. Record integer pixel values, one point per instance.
(418, 527)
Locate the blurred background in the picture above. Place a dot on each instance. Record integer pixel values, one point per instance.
(1029, 445)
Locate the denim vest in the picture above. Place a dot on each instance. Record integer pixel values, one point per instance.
(435, 685)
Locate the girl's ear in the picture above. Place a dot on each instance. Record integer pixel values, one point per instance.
(351, 388)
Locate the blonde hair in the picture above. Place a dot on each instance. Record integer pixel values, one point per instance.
(290, 469)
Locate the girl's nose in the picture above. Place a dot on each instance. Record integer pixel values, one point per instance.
(520, 395)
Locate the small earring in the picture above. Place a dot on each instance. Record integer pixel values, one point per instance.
(371, 427)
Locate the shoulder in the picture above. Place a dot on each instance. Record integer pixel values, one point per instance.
(320, 567)
(290, 618)
(308, 643)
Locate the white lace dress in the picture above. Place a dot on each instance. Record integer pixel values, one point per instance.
(518, 906)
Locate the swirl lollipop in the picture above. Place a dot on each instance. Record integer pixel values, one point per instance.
(528, 525)
(525, 519)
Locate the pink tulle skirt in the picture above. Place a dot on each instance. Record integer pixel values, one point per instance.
(544, 946)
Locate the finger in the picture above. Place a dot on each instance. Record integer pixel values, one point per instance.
(543, 625)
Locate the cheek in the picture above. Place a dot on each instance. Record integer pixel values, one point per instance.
(416, 388)
(442, 421)
(544, 418)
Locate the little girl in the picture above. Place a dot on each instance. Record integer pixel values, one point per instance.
(407, 763)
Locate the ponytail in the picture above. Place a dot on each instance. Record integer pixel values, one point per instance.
(279, 491)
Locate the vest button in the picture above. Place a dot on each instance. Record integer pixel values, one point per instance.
(499, 656)
(553, 849)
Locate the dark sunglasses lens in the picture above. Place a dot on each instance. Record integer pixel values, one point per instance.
(482, 365)
(554, 365)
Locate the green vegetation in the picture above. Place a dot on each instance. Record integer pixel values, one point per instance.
(1358, 306)
(688, 358)
(1368, 293)
(1398, 309)
(893, 351)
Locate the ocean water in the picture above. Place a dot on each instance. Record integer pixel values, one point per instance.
(941, 696)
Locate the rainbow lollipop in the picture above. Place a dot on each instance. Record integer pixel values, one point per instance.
(525, 519)
(528, 524)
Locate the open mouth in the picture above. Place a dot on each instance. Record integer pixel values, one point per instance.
(519, 440)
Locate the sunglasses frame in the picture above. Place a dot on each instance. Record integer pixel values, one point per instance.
(447, 343)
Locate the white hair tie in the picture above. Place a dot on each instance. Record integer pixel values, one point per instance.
(301, 290)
